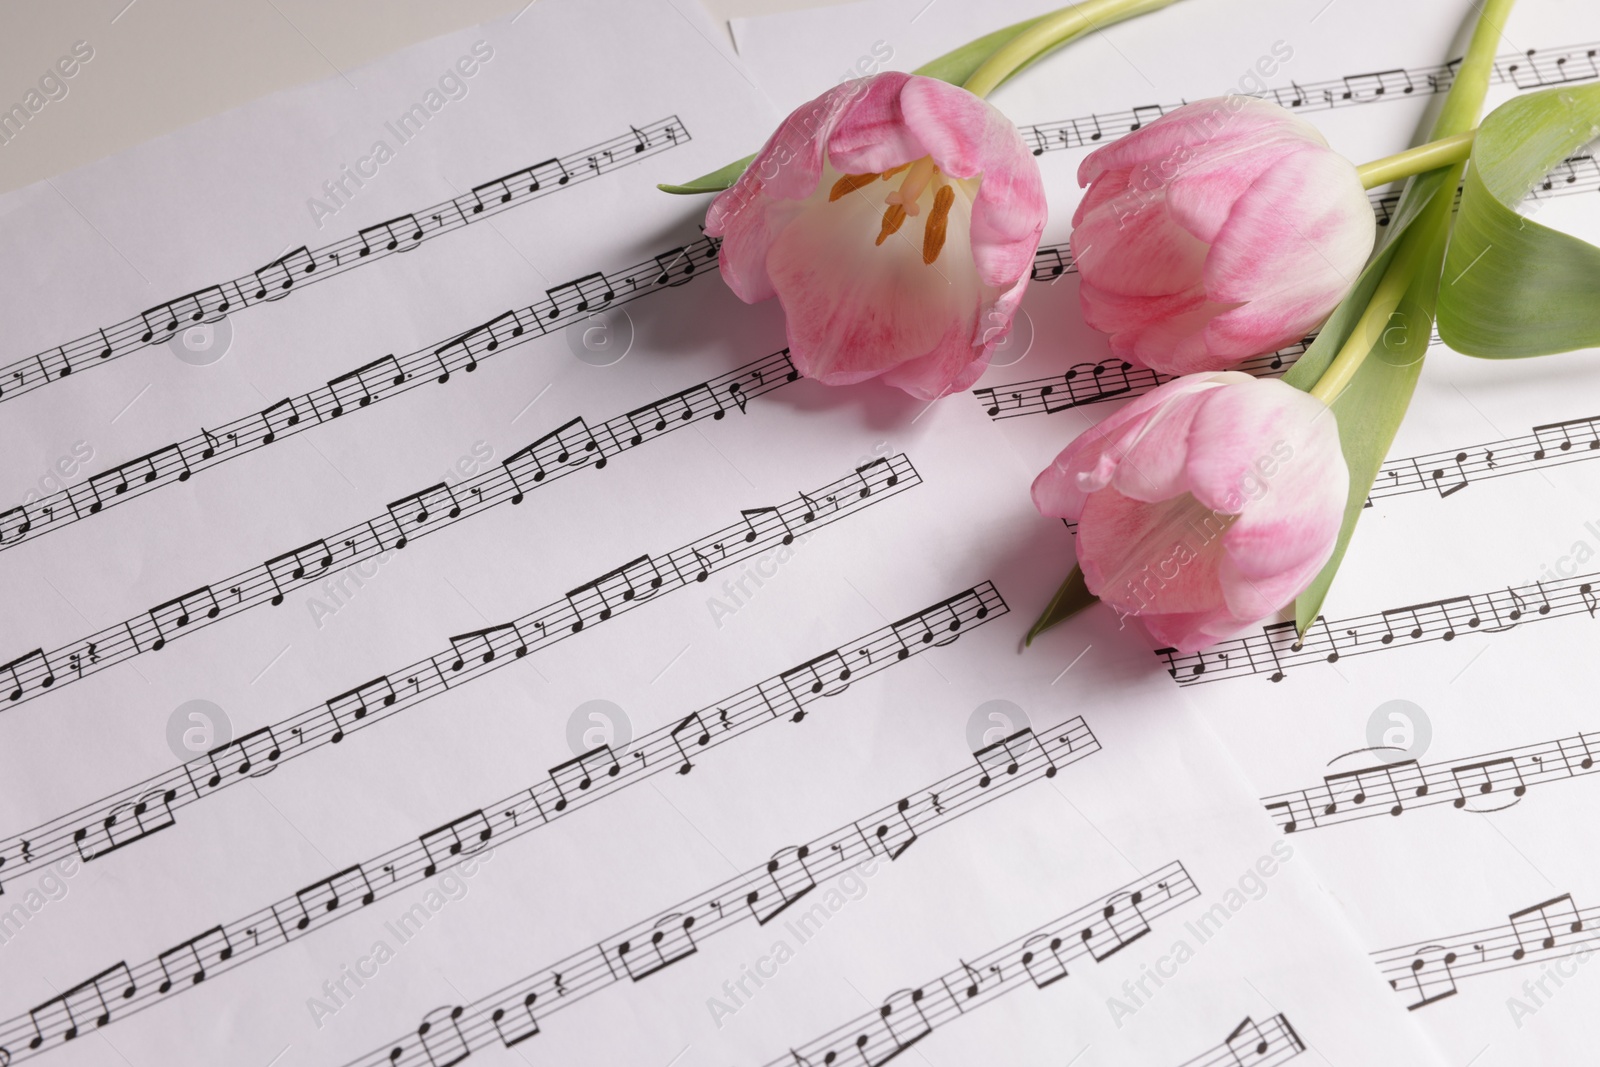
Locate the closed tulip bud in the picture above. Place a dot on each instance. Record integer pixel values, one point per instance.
(1204, 506)
(1223, 230)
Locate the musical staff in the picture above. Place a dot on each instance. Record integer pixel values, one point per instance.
(1110, 378)
(1034, 960)
(1430, 971)
(1253, 1044)
(574, 446)
(1487, 782)
(762, 894)
(303, 267)
(342, 396)
(230, 945)
(1533, 69)
(1277, 648)
(262, 751)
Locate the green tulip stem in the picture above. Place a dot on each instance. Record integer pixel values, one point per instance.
(1051, 32)
(1430, 156)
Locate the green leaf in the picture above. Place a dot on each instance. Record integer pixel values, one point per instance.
(1372, 406)
(954, 67)
(714, 182)
(1513, 287)
(1071, 598)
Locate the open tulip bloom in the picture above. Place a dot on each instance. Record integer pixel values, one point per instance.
(895, 219)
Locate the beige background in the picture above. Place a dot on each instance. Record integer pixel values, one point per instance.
(161, 64)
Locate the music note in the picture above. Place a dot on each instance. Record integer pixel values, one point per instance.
(149, 814)
(669, 942)
(443, 1046)
(1544, 435)
(86, 1000)
(145, 469)
(695, 729)
(1116, 925)
(358, 701)
(790, 880)
(1494, 772)
(391, 235)
(481, 644)
(47, 676)
(276, 419)
(1539, 923)
(577, 771)
(464, 836)
(520, 1030)
(814, 681)
(1360, 87)
(1043, 971)
(1142, 115)
(896, 834)
(190, 961)
(243, 755)
(207, 305)
(361, 379)
(177, 613)
(416, 508)
(581, 293)
(295, 565)
(278, 277)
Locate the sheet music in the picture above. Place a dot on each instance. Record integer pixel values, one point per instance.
(1419, 740)
(750, 768)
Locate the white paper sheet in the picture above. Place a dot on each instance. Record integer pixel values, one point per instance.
(911, 520)
(1486, 521)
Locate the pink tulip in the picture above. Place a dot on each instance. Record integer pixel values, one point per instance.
(1223, 230)
(895, 218)
(1203, 506)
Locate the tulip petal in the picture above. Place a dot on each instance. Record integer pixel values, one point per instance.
(1139, 253)
(1295, 241)
(1141, 557)
(849, 302)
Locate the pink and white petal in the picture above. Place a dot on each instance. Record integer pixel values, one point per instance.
(1107, 187)
(770, 193)
(747, 236)
(1252, 598)
(969, 138)
(1139, 253)
(1192, 631)
(1177, 344)
(854, 308)
(1202, 196)
(1302, 232)
(1112, 312)
(872, 134)
(1153, 463)
(1271, 454)
(953, 364)
(1147, 558)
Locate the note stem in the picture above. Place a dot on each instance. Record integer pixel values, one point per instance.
(1430, 156)
(1050, 33)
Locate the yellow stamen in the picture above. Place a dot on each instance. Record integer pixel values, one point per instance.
(938, 218)
(892, 171)
(892, 220)
(922, 172)
(849, 184)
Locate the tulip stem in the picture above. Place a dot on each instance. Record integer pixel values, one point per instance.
(1430, 156)
(1050, 32)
